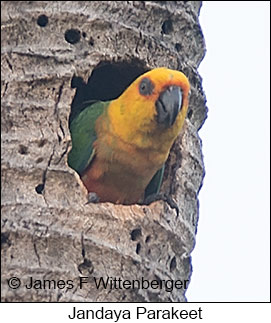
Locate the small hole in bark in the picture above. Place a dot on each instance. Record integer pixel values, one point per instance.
(148, 238)
(42, 20)
(178, 47)
(23, 150)
(91, 41)
(173, 264)
(5, 238)
(9, 124)
(135, 234)
(138, 247)
(72, 36)
(84, 34)
(39, 188)
(86, 265)
(39, 160)
(167, 26)
(189, 114)
(41, 143)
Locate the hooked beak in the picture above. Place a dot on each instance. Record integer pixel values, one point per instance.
(168, 105)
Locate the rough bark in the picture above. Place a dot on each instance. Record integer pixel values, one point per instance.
(48, 230)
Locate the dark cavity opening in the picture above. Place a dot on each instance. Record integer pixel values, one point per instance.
(72, 36)
(138, 248)
(91, 41)
(107, 82)
(42, 20)
(148, 238)
(135, 234)
(173, 264)
(39, 188)
(23, 150)
(178, 47)
(167, 26)
(5, 238)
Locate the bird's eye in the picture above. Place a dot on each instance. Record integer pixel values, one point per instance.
(146, 87)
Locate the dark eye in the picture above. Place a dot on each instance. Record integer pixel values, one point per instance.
(146, 87)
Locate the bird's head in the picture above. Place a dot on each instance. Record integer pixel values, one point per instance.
(156, 102)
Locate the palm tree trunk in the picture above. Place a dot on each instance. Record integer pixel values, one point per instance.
(50, 50)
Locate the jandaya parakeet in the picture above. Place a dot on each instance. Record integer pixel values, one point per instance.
(119, 147)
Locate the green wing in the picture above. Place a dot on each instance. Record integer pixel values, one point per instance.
(83, 135)
(155, 183)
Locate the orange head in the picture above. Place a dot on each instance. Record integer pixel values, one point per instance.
(155, 104)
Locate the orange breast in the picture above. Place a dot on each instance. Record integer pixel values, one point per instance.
(114, 184)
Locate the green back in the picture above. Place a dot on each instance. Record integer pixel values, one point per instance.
(83, 135)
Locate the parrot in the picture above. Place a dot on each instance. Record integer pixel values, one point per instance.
(119, 147)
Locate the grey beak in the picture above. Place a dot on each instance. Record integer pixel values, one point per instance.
(168, 105)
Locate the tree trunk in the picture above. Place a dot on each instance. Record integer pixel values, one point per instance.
(54, 55)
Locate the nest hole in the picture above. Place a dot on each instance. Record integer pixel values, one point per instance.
(107, 82)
